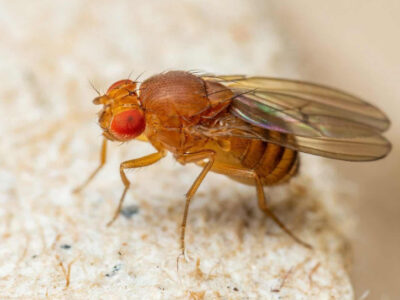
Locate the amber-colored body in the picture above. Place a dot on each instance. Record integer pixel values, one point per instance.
(174, 102)
(251, 136)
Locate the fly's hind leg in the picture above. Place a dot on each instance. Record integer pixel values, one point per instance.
(103, 156)
(194, 157)
(131, 164)
(251, 174)
(263, 206)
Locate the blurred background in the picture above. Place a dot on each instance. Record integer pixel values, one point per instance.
(50, 50)
(355, 45)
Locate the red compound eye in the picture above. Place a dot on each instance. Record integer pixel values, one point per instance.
(128, 124)
(119, 83)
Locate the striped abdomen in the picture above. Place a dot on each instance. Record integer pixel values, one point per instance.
(272, 163)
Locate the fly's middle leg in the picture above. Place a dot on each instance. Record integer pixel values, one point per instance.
(194, 157)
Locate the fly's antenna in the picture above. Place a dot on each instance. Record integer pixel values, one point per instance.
(94, 88)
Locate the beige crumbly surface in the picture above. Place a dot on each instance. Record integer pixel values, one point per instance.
(56, 244)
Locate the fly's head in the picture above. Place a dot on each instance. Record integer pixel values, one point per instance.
(122, 117)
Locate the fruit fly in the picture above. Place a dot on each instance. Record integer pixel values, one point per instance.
(247, 128)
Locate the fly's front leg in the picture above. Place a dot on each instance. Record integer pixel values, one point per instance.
(103, 156)
(194, 157)
(131, 164)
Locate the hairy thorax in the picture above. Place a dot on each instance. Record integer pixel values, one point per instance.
(177, 101)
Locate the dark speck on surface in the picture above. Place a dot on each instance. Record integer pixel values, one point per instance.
(115, 269)
(65, 246)
(129, 211)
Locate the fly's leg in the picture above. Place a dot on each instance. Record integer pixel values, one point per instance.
(263, 206)
(251, 174)
(131, 164)
(103, 155)
(194, 157)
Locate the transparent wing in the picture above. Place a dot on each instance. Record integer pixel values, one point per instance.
(314, 119)
(303, 108)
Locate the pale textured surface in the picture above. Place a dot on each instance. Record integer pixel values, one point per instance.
(50, 143)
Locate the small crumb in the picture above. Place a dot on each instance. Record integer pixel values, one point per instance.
(65, 246)
(129, 211)
(235, 289)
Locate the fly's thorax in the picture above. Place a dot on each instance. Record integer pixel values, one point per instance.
(174, 99)
(179, 97)
(175, 103)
